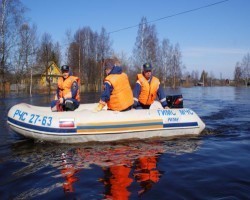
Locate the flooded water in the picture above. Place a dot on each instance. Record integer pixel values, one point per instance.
(214, 165)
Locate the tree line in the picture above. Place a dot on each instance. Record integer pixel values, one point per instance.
(242, 71)
(23, 53)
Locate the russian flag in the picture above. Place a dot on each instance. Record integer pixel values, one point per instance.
(66, 123)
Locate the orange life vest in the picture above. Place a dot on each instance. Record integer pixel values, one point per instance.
(148, 90)
(122, 95)
(65, 86)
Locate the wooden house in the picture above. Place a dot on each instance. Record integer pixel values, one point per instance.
(53, 73)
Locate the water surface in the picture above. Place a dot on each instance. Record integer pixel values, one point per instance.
(214, 165)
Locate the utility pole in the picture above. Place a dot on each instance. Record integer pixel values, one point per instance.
(31, 80)
(79, 58)
(31, 72)
(101, 75)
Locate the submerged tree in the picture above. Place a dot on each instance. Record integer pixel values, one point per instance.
(86, 51)
(11, 18)
(47, 52)
(25, 53)
(204, 78)
(104, 50)
(245, 67)
(237, 74)
(242, 71)
(195, 76)
(165, 60)
(175, 67)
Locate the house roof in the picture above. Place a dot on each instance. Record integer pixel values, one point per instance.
(54, 69)
(56, 72)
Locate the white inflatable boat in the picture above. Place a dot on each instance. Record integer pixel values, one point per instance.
(84, 125)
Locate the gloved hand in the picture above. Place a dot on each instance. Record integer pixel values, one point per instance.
(166, 107)
(100, 106)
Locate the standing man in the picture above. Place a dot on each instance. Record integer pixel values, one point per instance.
(117, 92)
(67, 97)
(147, 88)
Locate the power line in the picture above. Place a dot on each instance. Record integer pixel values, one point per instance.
(173, 15)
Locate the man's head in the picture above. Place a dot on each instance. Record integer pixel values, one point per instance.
(147, 70)
(109, 63)
(65, 71)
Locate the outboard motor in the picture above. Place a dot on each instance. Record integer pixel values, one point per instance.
(174, 101)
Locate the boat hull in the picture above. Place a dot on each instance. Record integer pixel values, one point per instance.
(85, 125)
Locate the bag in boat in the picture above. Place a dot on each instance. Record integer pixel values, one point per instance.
(174, 101)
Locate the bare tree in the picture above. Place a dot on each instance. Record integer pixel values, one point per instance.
(87, 50)
(56, 55)
(24, 56)
(195, 76)
(104, 50)
(73, 58)
(146, 45)
(68, 40)
(245, 67)
(204, 78)
(11, 17)
(138, 51)
(152, 47)
(175, 68)
(80, 52)
(211, 78)
(47, 53)
(87, 55)
(122, 57)
(165, 60)
(237, 74)
(187, 77)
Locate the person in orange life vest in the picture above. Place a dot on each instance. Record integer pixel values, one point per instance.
(117, 92)
(147, 88)
(67, 97)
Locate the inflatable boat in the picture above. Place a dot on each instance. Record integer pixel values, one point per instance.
(85, 125)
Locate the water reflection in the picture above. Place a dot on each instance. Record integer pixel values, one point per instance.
(68, 172)
(123, 164)
(146, 172)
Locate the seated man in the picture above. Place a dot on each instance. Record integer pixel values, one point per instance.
(67, 97)
(147, 88)
(117, 92)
